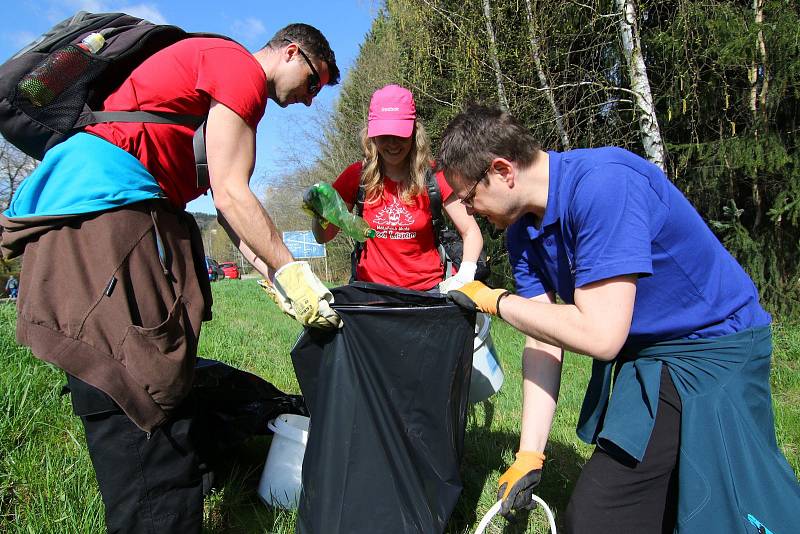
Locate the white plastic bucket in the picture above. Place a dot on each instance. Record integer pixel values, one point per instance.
(281, 479)
(487, 375)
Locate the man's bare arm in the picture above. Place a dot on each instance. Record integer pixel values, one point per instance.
(230, 147)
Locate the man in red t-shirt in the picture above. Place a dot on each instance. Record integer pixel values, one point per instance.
(126, 332)
(219, 77)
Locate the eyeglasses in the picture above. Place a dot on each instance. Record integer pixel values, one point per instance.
(313, 78)
(470, 196)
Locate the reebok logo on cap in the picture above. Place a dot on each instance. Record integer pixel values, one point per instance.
(391, 112)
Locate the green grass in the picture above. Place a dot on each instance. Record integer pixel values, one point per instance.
(47, 484)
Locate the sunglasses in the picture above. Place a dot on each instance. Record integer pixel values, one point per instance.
(470, 196)
(313, 84)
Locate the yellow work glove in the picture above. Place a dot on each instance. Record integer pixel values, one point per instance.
(515, 486)
(300, 294)
(477, 296)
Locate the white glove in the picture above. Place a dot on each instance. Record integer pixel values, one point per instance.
(465, 275)
(300, 294)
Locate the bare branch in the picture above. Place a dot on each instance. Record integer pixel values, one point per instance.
(501, 91)
(545, 84)
(15, 166)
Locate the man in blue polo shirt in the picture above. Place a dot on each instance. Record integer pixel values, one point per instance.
(686, 442)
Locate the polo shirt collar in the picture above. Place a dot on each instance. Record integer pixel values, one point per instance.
(551, 214)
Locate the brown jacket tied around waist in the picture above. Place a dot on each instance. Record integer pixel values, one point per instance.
(115, 298)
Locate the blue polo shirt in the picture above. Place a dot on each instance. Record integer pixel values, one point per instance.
(611, 213)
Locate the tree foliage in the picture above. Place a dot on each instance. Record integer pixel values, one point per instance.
(729, 112)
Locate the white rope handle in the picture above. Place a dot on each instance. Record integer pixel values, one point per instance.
(496, 508)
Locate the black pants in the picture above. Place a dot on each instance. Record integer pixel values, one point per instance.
(149, 484)
(616, 494)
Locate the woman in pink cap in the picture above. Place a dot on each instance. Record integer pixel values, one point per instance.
(397, 156)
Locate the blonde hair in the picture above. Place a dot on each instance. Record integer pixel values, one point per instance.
(420, 158)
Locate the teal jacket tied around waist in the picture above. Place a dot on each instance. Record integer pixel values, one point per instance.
(732, 475)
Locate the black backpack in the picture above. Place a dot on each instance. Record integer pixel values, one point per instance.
(128, 41)
(447, 240)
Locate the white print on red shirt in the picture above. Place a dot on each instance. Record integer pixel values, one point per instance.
(394, 222)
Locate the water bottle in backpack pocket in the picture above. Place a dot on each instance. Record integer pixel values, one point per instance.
(64, 67)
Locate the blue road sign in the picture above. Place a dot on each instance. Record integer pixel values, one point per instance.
(303, 245)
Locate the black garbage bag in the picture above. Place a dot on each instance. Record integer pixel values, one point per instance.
(388, 397)
(236, 405)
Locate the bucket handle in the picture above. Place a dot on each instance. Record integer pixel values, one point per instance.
(301, 438)
(496, 508)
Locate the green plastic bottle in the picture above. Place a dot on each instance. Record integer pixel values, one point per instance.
(325, 201)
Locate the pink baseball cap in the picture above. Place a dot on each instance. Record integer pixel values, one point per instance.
(391, 112)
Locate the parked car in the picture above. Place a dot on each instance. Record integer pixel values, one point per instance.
(214, 271)
(230, 269)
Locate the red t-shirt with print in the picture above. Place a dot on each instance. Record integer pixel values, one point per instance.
(183, 78)
(403, 252)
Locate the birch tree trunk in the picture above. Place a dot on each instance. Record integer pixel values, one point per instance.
(640, 84)
(501, 90)
(758, 95)
(762, 48)
(545, 85)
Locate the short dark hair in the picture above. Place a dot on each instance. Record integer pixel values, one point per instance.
(312, 42)
(479, 134)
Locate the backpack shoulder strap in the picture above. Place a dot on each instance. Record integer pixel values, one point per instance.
(358, 249)
(360, 195)
(156, 117)
(200, 157)
(435, 198)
